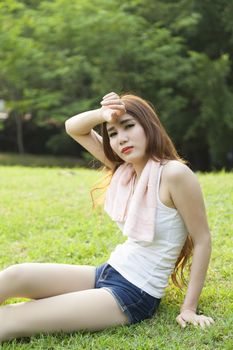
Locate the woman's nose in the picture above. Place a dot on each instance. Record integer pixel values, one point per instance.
(122, 138)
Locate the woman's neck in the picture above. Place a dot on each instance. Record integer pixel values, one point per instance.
(138, 167)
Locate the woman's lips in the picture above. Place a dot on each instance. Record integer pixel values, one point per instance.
(127, 150)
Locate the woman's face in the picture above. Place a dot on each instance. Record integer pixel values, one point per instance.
(128, 139)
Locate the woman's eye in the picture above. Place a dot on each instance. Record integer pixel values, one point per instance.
(115, 133)
(129, 126)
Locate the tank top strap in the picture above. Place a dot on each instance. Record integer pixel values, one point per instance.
(158, 181)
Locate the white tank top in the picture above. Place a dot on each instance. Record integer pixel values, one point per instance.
(148, 265)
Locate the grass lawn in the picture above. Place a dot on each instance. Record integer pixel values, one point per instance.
(46, 216)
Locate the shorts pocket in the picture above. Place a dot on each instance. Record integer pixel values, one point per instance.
(138, 295)
(105, 272)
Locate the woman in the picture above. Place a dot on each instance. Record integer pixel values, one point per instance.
(156, 201)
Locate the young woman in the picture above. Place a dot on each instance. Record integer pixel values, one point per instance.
(157, 202)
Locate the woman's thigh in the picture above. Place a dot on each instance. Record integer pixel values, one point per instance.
(90, 310)
(42, 280)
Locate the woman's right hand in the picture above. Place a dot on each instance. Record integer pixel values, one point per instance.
(112, 107)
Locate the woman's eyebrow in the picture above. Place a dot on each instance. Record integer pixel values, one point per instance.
(121, 122)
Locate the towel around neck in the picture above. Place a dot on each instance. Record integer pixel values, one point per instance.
(135, 208)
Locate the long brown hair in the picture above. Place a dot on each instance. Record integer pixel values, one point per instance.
(160, 148)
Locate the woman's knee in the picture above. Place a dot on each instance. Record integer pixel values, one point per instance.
(16, 274)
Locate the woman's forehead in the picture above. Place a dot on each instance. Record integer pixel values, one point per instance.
(121, 120)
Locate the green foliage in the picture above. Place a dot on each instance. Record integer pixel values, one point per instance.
(60, 57)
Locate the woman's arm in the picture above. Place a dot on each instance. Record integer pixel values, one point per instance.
(187, 197)
(80, 127)
(83, 123)
(200, 262)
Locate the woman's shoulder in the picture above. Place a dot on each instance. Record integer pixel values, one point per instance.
(175, 170)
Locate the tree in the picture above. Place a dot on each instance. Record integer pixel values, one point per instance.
(59, 58)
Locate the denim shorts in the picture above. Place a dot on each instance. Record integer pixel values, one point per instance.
(133, 301)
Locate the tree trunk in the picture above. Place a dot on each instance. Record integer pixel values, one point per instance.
(19, 130)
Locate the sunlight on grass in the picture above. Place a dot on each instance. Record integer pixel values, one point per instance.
(46, 216)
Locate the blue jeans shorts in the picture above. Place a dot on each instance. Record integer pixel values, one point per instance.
(133, 301)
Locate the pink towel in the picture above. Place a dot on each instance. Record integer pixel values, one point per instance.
(138, 215)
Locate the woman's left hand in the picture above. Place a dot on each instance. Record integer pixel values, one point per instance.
(190, 316)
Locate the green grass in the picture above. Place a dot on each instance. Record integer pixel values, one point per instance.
(46, 216)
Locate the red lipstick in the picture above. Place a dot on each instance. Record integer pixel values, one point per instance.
(127, 150)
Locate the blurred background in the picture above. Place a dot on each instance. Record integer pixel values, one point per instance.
(59, 57)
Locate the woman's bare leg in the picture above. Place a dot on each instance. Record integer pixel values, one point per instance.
(91, 310)
(36, 281)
